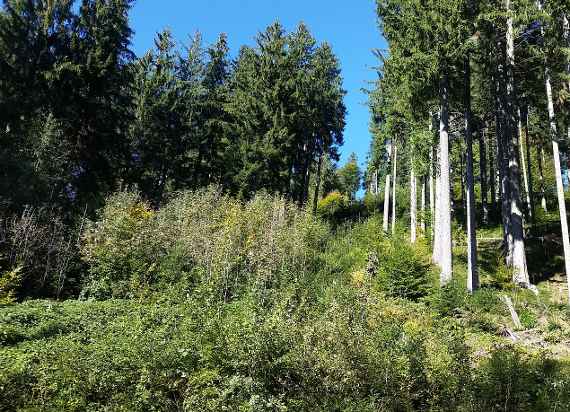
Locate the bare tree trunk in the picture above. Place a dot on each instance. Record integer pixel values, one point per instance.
(483, 175)
(317, 183)
(520, 271)
(558, 173)
(444, 200)
(462, 181)
(386, 221)
(523, 164)
(502, 161)
(540, 156)
(472, 273)
(432, 188)
(413, 206)
(529, 161)
(395, 181)
(566, 25)
(492, 173)
(436, 253)
(423, 206)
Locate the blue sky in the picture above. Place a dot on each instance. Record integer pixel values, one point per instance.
(349, 26)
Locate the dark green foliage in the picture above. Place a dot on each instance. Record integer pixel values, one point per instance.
(286, 117)
(402, 271)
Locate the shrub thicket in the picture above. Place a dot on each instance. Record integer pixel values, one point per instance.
(200, 241)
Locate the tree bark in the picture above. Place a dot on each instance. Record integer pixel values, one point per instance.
(432, 189)
(394, 183)
(540, 156)
(492, 173)
(317, 183)
(522, 139)
(413, 205)
(529, 163)
(386, 221)
(444, 200)
(423, 206)
(520, 271)
(501, 132)
(558, 174)
(483, 175)
(472, 272)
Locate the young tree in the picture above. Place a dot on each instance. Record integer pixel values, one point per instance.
(350, 176)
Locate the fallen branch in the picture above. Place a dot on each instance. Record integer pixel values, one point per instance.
(514, 315)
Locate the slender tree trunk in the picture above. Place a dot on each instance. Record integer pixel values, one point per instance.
(437, 212)
(444, 199)
(503, 187)
(520, 271)
(423, 206)
(386, 221)
(413, 206)
(522, 139)
(472, 272)
(436, 242)
(432, 189)
(558, 174)
(529, 161)
(492, 173)
(483, 175)
(317, 183)
(394, 183)
(540, 156)
(462, 181)
(566, 25)
(376, 182)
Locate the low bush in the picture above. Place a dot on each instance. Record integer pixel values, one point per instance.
(403, 271)
(344, 352)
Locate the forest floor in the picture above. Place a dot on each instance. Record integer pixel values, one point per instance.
(543, 317)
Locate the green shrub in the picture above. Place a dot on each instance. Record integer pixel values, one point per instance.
(448, 300)
(403, 272)
(528, 318)
(334, 207)
(200, 240)
(513, 380)
(9, 283)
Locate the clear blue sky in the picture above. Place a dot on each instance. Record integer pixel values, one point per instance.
(349, 26)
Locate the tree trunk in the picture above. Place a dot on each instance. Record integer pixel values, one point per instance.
(444, 199)
(566, 25)
(492, 173)
(386, 221)
(432, 189)
(558, 174)
(317, 183)
(483, 175)
(394, 183)
(423, 206)
(472, 272)
(522, 139)
(540, 156)
(503, 188)
(529, 162)
(520, 271)
(413, 206)
(462, 181)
